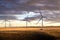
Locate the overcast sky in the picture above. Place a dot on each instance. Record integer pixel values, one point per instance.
(19, 9)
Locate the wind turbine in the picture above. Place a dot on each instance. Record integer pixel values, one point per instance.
(41, 18)
(6, 19)
(27, 20)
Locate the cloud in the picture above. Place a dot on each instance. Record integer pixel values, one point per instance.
(53, 16)
(29, 5)
(12, 12)
(48, 15)
(50, 9)
(7, 18)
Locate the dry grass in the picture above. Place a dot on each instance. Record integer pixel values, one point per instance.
(30, 33)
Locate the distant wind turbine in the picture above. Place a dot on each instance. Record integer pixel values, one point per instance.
(27, 20)
(4, 21)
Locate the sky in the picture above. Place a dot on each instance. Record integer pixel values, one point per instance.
(20, 11)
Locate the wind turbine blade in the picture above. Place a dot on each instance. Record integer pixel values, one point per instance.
(39, 20)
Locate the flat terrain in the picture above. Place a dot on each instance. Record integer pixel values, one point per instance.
(52, 33)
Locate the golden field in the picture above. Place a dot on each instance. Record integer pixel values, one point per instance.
(48, 33)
